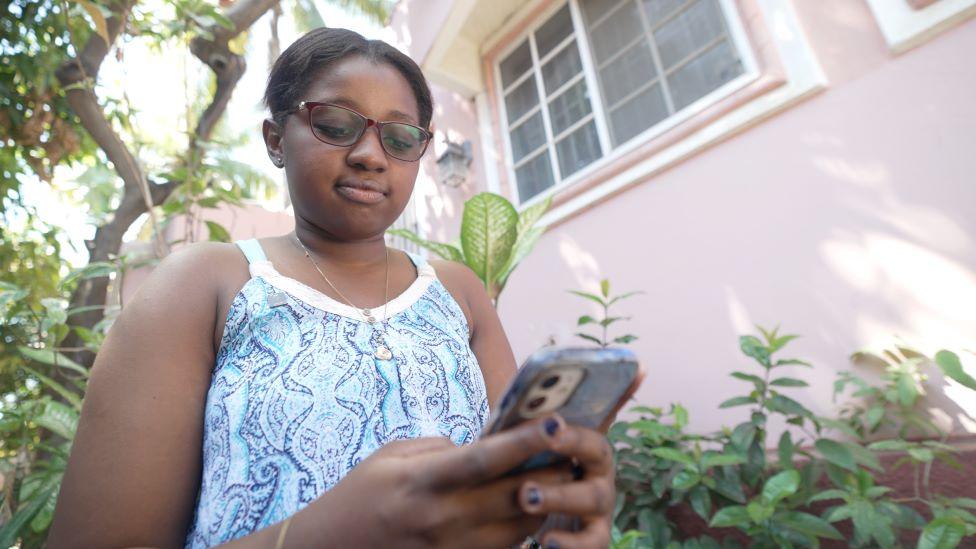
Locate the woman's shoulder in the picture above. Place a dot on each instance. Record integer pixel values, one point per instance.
(456, 276)
(206, 259)
(201, 268)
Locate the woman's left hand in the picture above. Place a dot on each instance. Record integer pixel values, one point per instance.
(590, 498)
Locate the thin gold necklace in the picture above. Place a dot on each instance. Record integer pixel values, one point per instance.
(382, 351)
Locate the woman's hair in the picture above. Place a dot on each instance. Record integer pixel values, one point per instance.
(304, 60)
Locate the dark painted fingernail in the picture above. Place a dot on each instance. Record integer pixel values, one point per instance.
(552, 544)
(578, 471)
(534, 497)
(551, 426)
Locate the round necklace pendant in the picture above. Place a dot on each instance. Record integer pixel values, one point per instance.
(383, 353)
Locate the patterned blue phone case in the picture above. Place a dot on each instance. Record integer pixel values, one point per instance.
(607, 373)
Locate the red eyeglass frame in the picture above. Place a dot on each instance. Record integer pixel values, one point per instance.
(310, 105)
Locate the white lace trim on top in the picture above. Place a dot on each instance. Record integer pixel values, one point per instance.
(425, 277)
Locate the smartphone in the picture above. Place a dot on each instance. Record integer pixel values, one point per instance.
(583, 386)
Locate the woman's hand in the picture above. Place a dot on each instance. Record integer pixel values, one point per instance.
(429, 493)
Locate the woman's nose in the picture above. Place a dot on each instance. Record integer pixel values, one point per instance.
(368, 153)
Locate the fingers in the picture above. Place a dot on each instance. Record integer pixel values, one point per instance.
(412, 447)
(594, 534)
(508, 533)
(589, 448)
(495, 455)
(500, 500)
(590, 498)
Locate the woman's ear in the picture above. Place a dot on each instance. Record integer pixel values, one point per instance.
(273, 135)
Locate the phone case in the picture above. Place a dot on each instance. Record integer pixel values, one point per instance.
(608, 372)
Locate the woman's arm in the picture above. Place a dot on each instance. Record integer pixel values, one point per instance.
(135, 463)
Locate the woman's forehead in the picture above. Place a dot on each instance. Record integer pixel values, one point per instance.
(363, 85)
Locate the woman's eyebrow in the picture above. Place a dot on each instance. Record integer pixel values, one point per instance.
(351, 103)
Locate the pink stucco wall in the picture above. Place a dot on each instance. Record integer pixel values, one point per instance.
(849, 218)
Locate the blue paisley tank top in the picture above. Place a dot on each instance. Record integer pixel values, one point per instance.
(297, 397)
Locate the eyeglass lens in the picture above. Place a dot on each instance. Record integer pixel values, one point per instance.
(343, 127)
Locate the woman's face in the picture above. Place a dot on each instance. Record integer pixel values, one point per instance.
(324, 180)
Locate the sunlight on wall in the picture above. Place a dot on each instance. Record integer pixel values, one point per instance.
(738, 315)
(932, 296)
(583, 266)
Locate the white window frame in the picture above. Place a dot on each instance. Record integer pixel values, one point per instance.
(905, 27)
(737, 36)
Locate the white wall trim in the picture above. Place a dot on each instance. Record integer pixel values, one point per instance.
(905, 27)
(486, 138)
(804, 77)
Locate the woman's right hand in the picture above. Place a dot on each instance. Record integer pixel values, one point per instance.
(429, 493)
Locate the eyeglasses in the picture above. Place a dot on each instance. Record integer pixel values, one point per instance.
(344, 127)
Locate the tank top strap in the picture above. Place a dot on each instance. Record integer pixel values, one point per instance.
(252, 250)
(424, 269)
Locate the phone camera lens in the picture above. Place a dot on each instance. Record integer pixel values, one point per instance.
(550, 381)
(536, 402)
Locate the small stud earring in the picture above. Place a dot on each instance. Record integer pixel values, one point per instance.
(277, 161)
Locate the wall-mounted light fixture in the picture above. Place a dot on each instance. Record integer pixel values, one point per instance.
(453, 163)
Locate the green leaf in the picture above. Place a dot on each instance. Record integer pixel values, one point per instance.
(58, 418)
(589, 338)
(523, 245)
(701, 501)
(833, 493)
(70, 396)
(95, 269)
(785, 450)
(444, 251)
(42, 520)
(217, 232)
(758, 381)
(624, 339)
(895, 445)
(48, 356)
(489, 228)
(793, 362)
(721, 460)
(680, 415)
(778, 343)
(734, 515)
(952, 368)
(605, 288)
(611, 319)
(968, 503)
(623, 296)
(787, 405)
(591, 297)
(841, 512)
(758, 511)
(863, 456)
(942, 533)
(673, 455)
(836, 453)
(921, 454)
(585, 319)
(789, 382)
(754, 348)
(12, 528)
(737, 401)
(685, 480)
(743, 435)
(781, 485)
(873, 417)
(809, 524)
(101, 27)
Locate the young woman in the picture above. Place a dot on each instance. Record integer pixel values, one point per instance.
(319, 389)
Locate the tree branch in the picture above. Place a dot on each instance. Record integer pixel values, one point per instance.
(77, 77)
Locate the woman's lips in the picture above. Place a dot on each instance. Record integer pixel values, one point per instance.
(356, 194)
